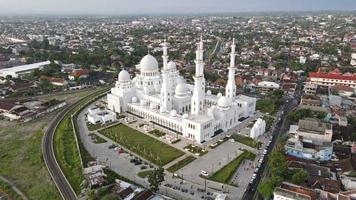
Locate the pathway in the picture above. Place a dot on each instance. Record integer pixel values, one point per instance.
(14, 188)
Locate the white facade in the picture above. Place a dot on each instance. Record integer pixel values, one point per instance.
(268, 84)
(166, 100)
(259, 128)
(98, 116)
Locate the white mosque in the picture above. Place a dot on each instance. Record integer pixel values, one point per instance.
(164, 98)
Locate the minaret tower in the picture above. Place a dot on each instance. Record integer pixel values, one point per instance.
(165, 54)
(198, 98)
(230, 90)
(166, 93)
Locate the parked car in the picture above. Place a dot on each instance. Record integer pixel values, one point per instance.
(112, 146)
(204, 173)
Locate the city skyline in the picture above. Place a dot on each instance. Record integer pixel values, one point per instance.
(125, 7)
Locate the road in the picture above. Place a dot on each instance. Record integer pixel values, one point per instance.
(65, 189)
(49, 157)
(291, 102)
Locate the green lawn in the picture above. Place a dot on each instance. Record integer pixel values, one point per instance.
(196, 149)
(149, 148)
(246, 140)
(67, 154)
(96, 139)
(65, 145)
(180, 164)
(144, 174)
(224, 174)
(157, 133)
(94, 127)
(265, 106)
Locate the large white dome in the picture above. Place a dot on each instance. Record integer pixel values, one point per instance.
(181, 90)
(124, 76)
(171, 65)
(223, 102)
(148, 64)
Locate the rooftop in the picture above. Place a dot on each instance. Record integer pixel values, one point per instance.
(313, 125)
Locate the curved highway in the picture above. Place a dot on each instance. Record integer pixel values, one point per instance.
(49, 157)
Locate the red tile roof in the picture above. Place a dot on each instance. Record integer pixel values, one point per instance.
(79, 72)
(336, 74)
(52, 79)
(6, 105)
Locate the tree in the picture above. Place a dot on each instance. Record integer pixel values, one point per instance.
(278, 163)
(156, 178)
(299, 177)
(266, 188)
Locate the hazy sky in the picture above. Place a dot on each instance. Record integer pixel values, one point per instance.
(120, 7)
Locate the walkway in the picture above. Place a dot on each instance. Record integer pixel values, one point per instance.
(14, 188)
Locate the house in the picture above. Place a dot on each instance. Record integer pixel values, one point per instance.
(310, 100)
(289, 191)
(22, 86)
(55, 81)
(95, 175)
(315, 131)
(311, 139)
(298, 148)
(342, 90)
(6, 106)
(78, 73)
(310, 88)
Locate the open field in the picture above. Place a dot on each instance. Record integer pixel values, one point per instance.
(224, 174)
(246, 140)
(149, 148)
(21, 158)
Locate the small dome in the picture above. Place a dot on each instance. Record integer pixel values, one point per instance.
(171, 65)
(223, 102)
(208, 92)
(181, 90)
(148, 64)
(134, 99)
(173, 113)
(219, 94)
(124, 76)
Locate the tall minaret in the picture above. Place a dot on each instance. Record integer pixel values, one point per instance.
(165, 54)
(166, 93)
(198, 98)
(230, 90)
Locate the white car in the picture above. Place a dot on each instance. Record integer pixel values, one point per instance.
(204, 173)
